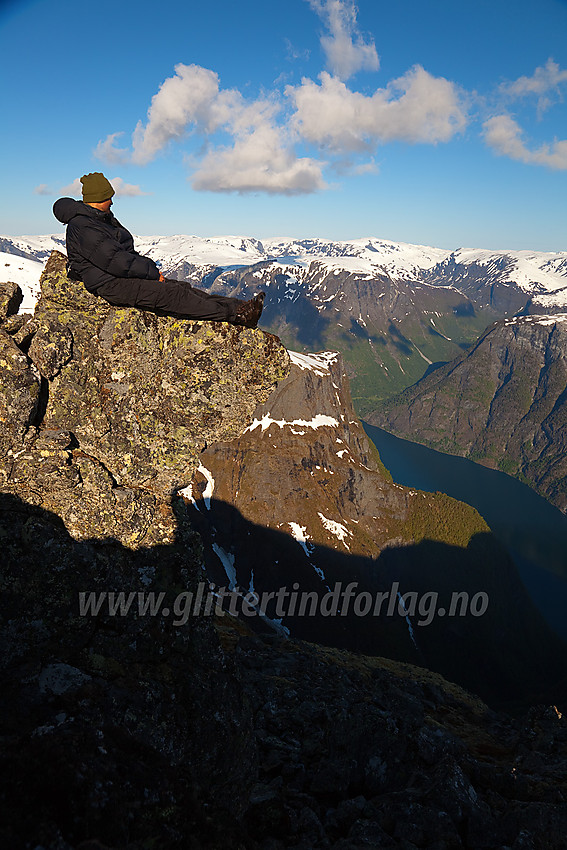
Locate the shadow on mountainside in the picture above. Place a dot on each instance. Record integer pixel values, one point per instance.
(140, 730)
(307, 324)
(489, 639)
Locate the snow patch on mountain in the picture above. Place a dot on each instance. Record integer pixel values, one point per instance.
(336, 528)
(26, 274)
(318, 421)
(209, 489)
(222, 251)
(299, 533)
(537, 320)
(227, 559)
(551, 301)
(318, 363)
(33, 247)
(522, 268)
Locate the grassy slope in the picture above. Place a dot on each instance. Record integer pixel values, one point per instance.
(382, 364)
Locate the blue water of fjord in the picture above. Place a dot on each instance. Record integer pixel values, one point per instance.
(533, 531)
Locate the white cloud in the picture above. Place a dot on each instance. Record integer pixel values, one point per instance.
(74, 188)
(184, 99)
(249, 144)
(126, 190)
(346, 167)
(43, 189)
(258, 162)
(260, 157)
(416, 107)
(107, 152)
(504, 135)
(544, 80)
(346, 50)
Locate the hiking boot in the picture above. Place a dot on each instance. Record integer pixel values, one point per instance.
(249, 312)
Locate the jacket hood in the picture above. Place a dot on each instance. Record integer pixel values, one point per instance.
(67, 208)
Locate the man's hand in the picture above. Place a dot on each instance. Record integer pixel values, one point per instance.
(161, 278)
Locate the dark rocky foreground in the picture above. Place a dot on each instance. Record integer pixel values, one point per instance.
(360, 752)
(130, 732)
(133, 733)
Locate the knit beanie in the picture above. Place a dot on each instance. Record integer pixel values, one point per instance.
(96, 188)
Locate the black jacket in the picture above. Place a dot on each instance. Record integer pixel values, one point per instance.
(99, 248)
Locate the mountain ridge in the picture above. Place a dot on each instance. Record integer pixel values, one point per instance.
(398, 259)
(501, 403)
(394, 310)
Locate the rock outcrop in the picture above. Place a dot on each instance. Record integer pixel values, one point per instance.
(503, 403)
(118, 404)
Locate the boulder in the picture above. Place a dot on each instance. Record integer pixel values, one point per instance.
(11, 297)
(118, 721)
(19, 397)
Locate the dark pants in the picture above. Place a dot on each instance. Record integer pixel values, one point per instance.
(170, 297)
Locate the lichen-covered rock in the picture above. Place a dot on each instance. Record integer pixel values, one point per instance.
(10, 299)
(19, 396)
(51, 347)
(128, 401)
(146, 393)
(52, 473)
(14, 325)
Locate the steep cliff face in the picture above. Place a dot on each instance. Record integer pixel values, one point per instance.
(301, 507)
(306, 462)
(503, 403)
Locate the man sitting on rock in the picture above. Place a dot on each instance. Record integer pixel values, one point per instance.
(101, 253)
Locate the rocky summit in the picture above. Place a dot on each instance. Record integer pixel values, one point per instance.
(126, 729)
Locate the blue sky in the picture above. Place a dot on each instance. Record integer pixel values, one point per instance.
(435, 122)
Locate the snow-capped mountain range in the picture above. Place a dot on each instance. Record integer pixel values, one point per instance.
(393, 309)
(541, 275)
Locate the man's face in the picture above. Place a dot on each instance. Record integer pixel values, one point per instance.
(103, 206)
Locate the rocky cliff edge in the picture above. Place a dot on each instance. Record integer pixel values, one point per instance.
(502, 403)
(104, 411)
